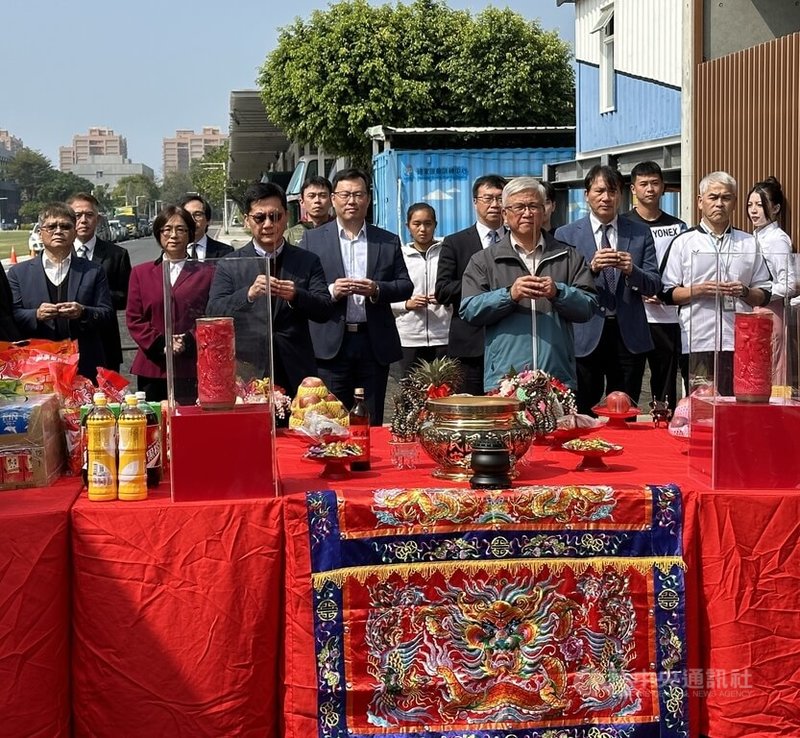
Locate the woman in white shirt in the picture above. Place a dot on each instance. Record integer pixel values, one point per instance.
(423, 324)
(765, 206)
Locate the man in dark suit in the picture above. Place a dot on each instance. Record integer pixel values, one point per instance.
(466, 342)
(365, 271)
(611, 348)
(8, 328)
(204, 246)
(268, 272)
(60, 296)
(116, 263)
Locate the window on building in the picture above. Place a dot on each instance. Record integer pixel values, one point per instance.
(604, 28)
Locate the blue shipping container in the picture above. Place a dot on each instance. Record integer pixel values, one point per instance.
(443, 178)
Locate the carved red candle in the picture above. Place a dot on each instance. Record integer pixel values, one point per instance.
(752, 358)
(216, 363)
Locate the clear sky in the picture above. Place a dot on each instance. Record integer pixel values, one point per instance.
(148, 68)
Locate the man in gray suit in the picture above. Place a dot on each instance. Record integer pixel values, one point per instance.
(365, 272)
(611, 348)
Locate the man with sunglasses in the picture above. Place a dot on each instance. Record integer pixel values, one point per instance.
(116, 263)
(60, 296)
(204, 247)
(284, 277)
(466, 342)
(527, 290)
(366, 273)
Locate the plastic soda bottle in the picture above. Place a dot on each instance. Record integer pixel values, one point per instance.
(359, 430)
(153, 452)
(132, 429)
(101, 446)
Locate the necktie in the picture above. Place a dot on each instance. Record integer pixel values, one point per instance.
(492, 237)
(81, 251)
(609, 273)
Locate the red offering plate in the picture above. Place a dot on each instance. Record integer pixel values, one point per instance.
(335, 467)
(615, 419)
(593, 458)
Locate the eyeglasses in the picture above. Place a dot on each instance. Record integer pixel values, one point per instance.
(53, 227)
(199, 215)
(345, 196)
(259, 218)
(490, 198)
(88, 214)
(525, 207)
(168, 230)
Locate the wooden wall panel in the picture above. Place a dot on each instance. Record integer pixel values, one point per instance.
(747, 122)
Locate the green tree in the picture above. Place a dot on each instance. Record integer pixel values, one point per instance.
(208, 176)
(104, 198)
(129, 188)
(175, 186)
(31, 170)
(61, 186)
(424, 64)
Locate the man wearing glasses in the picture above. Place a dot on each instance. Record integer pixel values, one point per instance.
(204, 247)
(466, 342)
(526, 291)
(612, 347)
(60, 296)
(365, 272)
(116, 263)
(291, 279)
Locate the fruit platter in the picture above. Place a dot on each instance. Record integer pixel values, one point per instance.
(593, 451)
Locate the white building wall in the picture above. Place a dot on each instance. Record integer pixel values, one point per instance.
(647, 37)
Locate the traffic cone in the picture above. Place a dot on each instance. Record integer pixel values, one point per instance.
(13, 254)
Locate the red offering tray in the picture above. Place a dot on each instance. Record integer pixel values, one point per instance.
(335, 467)
(594, 458)
(616, 419)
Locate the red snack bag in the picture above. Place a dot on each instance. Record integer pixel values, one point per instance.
(113, 384)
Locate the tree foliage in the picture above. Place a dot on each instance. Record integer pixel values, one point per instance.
(208, 177)
(355, 65)
(175, 186)
(31, 170)
(134, 186)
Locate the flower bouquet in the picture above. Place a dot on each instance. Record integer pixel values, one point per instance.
(549, 404)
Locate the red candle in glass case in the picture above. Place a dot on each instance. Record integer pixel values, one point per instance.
(216, 363)
(752, 358)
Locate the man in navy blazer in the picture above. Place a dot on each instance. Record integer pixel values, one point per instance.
(60, 296)
(116, 263)
(611, 347)
(365, 272)
(295, 285)
(204, 247)
(467, 342)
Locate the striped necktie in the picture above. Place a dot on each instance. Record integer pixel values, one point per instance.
(609, 273)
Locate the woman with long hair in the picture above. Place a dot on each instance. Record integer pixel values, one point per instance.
(765, 208)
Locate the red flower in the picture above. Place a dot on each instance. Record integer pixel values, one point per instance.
(442, 390)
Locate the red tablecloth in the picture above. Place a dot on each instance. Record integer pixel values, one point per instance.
(743, 573)
(177, 611)
(34, 610)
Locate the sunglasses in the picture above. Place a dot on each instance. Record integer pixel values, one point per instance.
(259, 218)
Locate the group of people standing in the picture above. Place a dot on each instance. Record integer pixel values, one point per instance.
(592, 302)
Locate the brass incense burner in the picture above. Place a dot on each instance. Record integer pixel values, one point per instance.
(453, 425)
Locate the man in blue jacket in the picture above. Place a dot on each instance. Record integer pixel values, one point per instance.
(612, 346)
(527, 290)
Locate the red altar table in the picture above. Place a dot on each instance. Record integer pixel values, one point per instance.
(34, 610)
(176, 617)
(743, 572)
